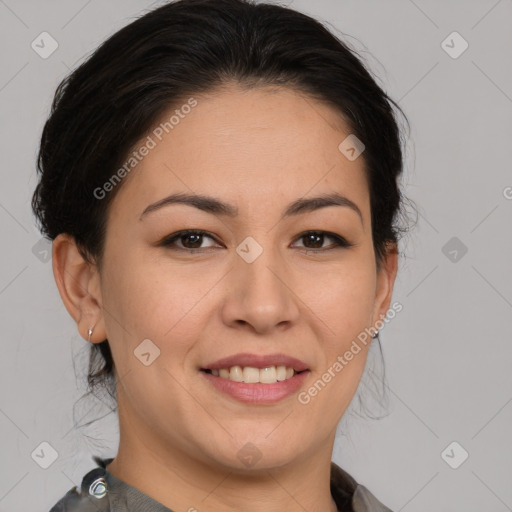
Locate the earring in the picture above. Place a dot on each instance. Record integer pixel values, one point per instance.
(376, 335)
(89, 332)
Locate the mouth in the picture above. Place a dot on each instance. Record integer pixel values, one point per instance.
(253, 375)
(257, 379)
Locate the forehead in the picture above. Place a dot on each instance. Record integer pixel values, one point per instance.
(262, 146)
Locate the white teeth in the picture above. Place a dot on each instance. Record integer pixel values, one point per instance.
(268, 375)
(236, 374)
(281, 373)
(251, 375)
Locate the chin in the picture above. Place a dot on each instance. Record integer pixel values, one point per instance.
(244, 452)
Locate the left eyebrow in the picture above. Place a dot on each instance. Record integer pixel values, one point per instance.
(216, 207)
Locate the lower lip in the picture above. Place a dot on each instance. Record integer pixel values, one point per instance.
(258, 393)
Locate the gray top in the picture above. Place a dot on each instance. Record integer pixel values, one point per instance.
(103, 492)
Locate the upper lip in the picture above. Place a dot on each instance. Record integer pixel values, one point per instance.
(258, 361)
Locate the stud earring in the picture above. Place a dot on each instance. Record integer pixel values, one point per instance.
(89, 332)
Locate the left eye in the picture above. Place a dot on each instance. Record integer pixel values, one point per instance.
(317, 237)
(192, 239)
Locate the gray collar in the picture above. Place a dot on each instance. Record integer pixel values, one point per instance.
(103, 492)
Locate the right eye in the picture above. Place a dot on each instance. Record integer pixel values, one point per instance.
(190, 239)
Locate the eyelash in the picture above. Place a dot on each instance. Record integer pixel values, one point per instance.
(339, 242)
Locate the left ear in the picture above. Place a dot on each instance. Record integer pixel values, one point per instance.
(386, 275)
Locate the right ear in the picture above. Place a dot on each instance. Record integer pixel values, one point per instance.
(79, 287)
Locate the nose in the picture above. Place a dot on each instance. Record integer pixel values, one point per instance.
(260, 295)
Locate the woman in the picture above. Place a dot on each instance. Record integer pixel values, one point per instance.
(220, 182)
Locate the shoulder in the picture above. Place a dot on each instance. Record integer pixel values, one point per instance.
(91, 497)
(364, 501)
(350, 495)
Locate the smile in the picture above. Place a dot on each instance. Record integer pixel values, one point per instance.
(255, 391)
(252, 375)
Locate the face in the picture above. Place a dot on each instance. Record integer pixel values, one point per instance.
(257, 287)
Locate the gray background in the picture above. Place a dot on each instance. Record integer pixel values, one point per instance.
(448, 352)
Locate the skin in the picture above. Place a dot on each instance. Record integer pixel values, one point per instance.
(258, 150)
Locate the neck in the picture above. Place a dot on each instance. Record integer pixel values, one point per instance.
(179, 481)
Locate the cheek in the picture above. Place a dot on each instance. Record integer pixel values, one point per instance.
(345, 308)
(145, 304)
(343, 298)
(345, 313)
(144, 300)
